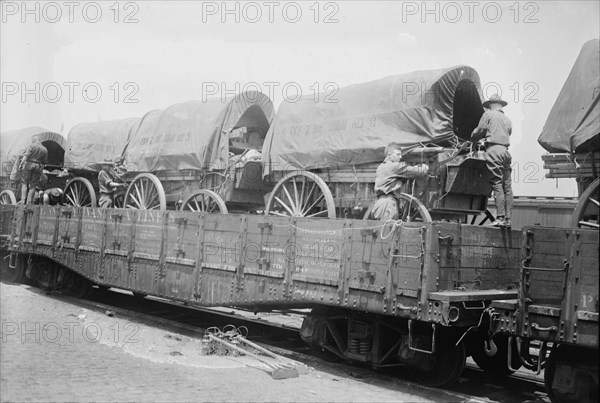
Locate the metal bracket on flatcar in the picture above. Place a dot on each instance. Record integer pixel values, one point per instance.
(179, 252)
(67, 213)
(263, 225)
(418, 349)
(366, 274)
(180, 220)
(263, 261)
(115, 245)
(368, 232)
(116, 217)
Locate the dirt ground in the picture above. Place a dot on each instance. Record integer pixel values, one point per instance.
(54, 351)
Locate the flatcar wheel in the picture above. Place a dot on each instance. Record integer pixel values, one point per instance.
(12, 274)
(204, 201)
(146, 193)
(587, 211)
(449, 362)
(497, 364)
(79, 192)
(7, 197)
(571, 375)
(410, 209)
(79, 286)
(301, 194)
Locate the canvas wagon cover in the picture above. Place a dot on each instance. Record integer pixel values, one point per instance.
(15, 142)
(90, 143)
(355, 124)
(574, 121)
(194, 135)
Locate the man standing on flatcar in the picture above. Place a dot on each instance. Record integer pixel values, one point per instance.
(107, 184)
(32, 163)
(496, 129)
(391, 175)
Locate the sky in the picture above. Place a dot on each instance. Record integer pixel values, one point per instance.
(64, 62)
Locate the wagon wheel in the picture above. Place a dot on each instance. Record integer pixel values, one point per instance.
(79, 192)
(301, 194)
(587, 211)
(7, 197)
(146, 193)
(410, 209)
(119, 197)
(204, 201)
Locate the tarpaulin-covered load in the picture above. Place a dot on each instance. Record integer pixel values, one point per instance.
(13, 143)
(90, 143)
(354, 125)
(574, 121)
(196, 135)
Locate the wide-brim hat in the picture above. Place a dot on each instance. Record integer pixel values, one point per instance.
(494, 99)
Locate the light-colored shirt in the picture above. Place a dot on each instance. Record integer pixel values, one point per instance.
(391, 175)
(104, 180)
(36, 152)
(495, 127)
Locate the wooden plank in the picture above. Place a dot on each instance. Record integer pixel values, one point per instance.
(507, 304)
(91, 228)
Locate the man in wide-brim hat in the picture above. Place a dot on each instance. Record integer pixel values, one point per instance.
(496, 129)
(107, 184)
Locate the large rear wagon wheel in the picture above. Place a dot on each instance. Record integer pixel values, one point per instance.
(146, 193)
(410, 209)
(301, 194)
(7, 197)
(587, 211)
(204, 201)
(79, 192)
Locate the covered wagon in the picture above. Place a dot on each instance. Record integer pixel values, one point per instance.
(12, 146)
(571, 134)
(88, 144)
(323, 153)
(201, 155)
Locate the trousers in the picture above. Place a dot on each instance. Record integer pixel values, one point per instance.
(498, 161)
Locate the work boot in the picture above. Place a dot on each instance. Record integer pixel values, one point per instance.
(500, 223)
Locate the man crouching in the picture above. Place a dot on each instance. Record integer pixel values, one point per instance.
(391, 175)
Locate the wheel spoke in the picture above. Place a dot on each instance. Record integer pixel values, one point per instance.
(277, 213)
(155, 195)
(301, 201)
(295, 192)
(292, 205)
(310, 194)
(316, 214)
(284, 206)
(321, 197)
(135, 199)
